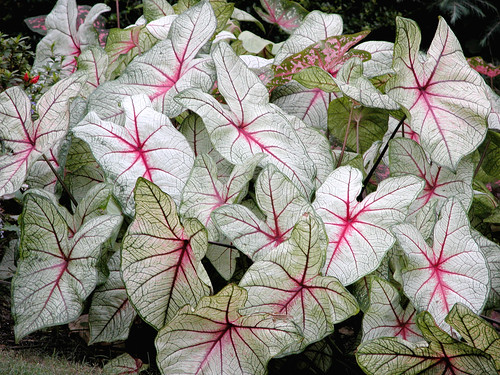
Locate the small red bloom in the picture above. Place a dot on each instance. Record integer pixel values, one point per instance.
(26, 77)
(34, 79)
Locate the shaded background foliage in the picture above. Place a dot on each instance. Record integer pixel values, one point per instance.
(475, 22)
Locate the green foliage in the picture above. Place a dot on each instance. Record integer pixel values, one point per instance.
(16, 56)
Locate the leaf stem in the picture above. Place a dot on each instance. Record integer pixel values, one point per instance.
(117, 14)
(359, 198)
(339, 162)
(222, 245)
(481, 160)
(64, 186)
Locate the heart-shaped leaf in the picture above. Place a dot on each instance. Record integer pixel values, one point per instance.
(155, 9)
(194, 130)
(452, 270)
(25, 140)
(444, 96)
(66, 36)
(111, 314)
(248, 124)
(57, 271)
(408, 158)
(475, 331)
(138, 149)
(443, 355)
(124, 364)
(282, 204)
(284, 13)
(161, 259)
(354, 84)
(214, 338)
(386, 317)
(288, 281)
(166, 69)
(310, 105)
(359, 232)
(316, 26)
(328, 54)
(204, 192)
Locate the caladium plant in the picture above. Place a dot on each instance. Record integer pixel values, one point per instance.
(182, 158)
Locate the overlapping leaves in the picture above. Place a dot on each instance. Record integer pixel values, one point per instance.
(214, 338)
(161, 258)
(58, 267)
(288, 281)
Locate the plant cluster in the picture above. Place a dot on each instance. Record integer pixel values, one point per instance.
(244, 197)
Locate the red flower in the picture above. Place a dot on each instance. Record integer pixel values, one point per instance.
(26, 77)
(34, 79)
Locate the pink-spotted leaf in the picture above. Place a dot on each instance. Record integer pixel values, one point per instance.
(316, 26)
(328, 54)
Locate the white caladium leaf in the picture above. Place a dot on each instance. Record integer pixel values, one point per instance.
(26, 141)
(56, 271)
(81, 169)
(286, 14)
(223, 258)
(288, 281)
(166, 69)
(123, 45)
(138, 149)
(310, 105)
(204, 192)
(450, 126)
(156, 9)
(111, 313)
(161, 259)
(354, 84)
(475, 331)
(282, 204)
(94, 62)
(124, 364)
(160, 28)
(443, 355)
(194, 130)
(491, 252)
(65, 37)
(316, 26)
(386, 317)
(214, 338)
(248, 124)
(452, 270)
(359, 232)
(381, 61)
(408, 158)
